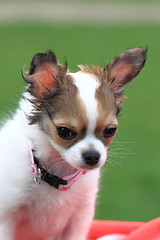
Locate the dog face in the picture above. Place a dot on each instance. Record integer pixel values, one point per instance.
(79, 111)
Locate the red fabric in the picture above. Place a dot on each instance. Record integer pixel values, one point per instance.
(133, 230)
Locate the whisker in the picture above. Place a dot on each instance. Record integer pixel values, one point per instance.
(111, 161)
(122, 142)
(56, 166)
(118, 150)
(121, 151)
(53, 161)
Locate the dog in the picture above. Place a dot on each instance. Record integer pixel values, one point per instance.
(55, 144)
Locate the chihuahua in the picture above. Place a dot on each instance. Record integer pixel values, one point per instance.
(55, 144)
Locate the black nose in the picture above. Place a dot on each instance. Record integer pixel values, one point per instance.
(91, 157)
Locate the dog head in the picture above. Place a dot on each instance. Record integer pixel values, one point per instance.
(79, 111)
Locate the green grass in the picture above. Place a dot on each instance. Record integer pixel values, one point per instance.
(130, 183)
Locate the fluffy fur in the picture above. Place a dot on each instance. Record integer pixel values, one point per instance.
(69, 119)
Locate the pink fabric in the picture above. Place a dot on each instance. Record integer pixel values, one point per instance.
(34, 166)
(133, 230)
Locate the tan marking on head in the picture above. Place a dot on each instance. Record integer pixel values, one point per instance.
(107, 111)
(67, 110)
(107, 107)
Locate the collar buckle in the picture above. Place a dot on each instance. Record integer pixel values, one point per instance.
(38, 177)
(39, 173)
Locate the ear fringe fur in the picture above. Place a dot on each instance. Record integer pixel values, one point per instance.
(44, 74)
(96, 70)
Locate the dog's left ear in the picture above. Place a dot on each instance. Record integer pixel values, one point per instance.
(124, 68)
(42, 73)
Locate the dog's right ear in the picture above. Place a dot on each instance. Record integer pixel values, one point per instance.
(124, 68)
(42, 73)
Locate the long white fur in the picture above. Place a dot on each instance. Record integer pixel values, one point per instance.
(52, 213)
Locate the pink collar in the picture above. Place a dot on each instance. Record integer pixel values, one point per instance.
(40, 174)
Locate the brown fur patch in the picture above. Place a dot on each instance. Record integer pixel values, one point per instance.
(105, 93)
(98, 71)
(103, 76)
(63, 108)
(107, 111)
(107, 106)
(68, 110)
(42, 105)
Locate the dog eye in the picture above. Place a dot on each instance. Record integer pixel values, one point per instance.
(66, 133)
(109, 132)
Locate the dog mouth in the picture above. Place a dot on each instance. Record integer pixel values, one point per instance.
(71, 179)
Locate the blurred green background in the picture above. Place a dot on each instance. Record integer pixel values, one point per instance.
(130, 183)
